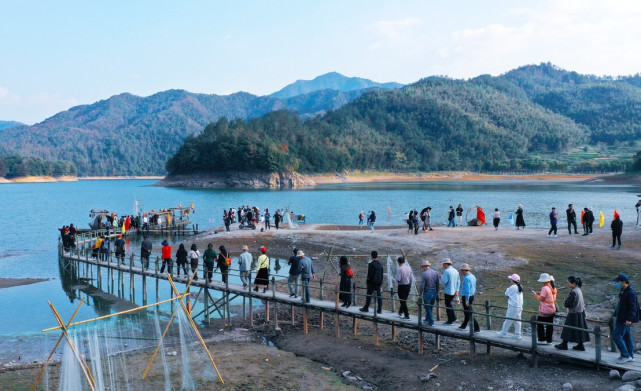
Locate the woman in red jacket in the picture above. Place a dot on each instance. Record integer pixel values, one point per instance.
(166, 257)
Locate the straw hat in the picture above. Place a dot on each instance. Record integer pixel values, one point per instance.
(447, 261)
(426, 263)
(514, 277)
(465, 266)
(544, 278)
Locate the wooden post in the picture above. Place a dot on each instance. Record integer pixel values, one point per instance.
(471, 331)
(267, 310)
(338, 320)
(376, 336)
(293, 314)
(320, 296)
(322, 320)
(206, 304)
(228, 304)
(244, 312)
(488, 323)
(251, 306)
(613, 347)
(354, 325)
(393, 310)
(534, 361)
(305, 327)
(354, 295)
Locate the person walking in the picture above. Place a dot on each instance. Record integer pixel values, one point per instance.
(361, 218)
(617, 229)
(371, 219)
(468, 290)
(451, 285)
(374, 281)
(626, 313)
(450, 217)
(119, 249)
(194, 255)
(575, 307)
(416, 221)
(459, 214)
(277, 218)
(262, 275)
(514, 296)
(166, 257)
(429, 290)
(268, 218)
(181, 260)
(227, 220)
(571, 216)
(145, 251)
(520, 221)
(209, 258)
(589, 220)
(345, 286)
(496, 219)
(428, 218)
(244, 266)
(547, 309)
(294, 274)
(404, 282)
(554, 217)
(224, 261)
(306, 269)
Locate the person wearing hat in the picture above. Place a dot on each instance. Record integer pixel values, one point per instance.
(520, 221)
(262, 276)
(306, 269)
(429, 289)
(244, 266)
(547, 309)
(119, 249)
(617, 229)
(166, 257)
(404, 282)
(626, 313)
(514, 296)
(451, 285)
(209, 257)
(468, 290)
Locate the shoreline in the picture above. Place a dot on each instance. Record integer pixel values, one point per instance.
(66, 178)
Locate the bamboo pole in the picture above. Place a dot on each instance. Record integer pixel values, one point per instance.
(53, 351)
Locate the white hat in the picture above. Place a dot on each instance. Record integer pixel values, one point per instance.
(447, 261)
(426, 263)
(544, 278)
(465, 266)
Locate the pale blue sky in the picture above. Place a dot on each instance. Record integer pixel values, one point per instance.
(58, 54)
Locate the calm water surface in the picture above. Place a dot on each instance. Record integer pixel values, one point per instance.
(31, 214)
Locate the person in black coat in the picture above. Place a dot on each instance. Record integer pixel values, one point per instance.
(520, 221)
(222, 263)
(181, 260)
(589, 220)
(617, 229)
(571, 215)
(374, 283)
(626, 313)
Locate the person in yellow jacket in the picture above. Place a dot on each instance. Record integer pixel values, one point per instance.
(262, 276)
(96, 247)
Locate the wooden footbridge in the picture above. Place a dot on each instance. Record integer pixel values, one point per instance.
(325, 302)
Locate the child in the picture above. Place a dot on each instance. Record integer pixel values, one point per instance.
(514, 307)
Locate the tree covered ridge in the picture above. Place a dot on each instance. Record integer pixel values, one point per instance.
(20, 166)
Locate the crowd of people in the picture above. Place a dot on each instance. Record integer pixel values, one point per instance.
(252, 216)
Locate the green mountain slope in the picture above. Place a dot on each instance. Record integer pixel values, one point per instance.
(330, 81)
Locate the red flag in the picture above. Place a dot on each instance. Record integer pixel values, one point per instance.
(582, 214)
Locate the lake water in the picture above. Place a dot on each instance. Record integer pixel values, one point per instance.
(31, 214)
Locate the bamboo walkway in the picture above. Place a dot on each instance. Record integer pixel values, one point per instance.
(596, 353)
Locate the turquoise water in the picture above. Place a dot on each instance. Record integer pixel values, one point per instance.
(31, 214)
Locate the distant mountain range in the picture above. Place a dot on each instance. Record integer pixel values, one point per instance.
(9, 124)
(534, 117)
(132, 135)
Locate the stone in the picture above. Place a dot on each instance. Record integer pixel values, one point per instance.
(631, 376)
(346, 373)
(567, 387)
(626, 387)
(367, 388)
(614, 375)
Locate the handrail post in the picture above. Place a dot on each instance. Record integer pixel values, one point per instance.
(613, 347)
(228, 309)
(470, 325)
(597, 346)
(419, 301)
(273, 287)
(391, 296)
(534, 362)
(354, 295)
(131, 263)
(488, 318)
(375, 300)
(320, 297)
(157, 260)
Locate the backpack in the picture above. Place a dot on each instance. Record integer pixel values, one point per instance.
(228, 261)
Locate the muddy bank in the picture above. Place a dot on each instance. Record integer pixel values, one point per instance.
(11, 282)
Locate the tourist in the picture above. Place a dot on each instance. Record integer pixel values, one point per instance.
(404, 281)
(306, 269)
(277, 218)
(520, 221)
(181, 260)
(194, 256)
(224, 261)
(262, 275)
(371, 219)
(589, 220)
(409, 219)
(95, 249)
(547, 309)
(496, 219)
(468, 290)
(166, 257)
(268, 218)
(345, 286)
(119, 249)
(428, 218)
(244, 266)
(450, 217)
(514, 296)
(294, 274)
(105, 247)
(374, 281)
(227, 221)
(145, 251)
(429, 290)
(638, 209)
(145, 222)
(459, 214)
(361, 218)
(626, 313)
(554, 217)
(617, 229)
(480, 216)
(208, 259)
(575, 307)
(451, 284)
(415, 222)
(571, 216)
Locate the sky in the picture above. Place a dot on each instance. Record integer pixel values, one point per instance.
(58, 54)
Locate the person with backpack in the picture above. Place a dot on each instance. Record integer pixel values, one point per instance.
(193, 257)
(104, 249)
(224, 261)
(625, 314)
(345, 286)
(374, 282)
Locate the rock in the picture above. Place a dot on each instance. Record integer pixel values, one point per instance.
(631, 376)
(614, 375)
(239, 179)
(352, 379)
(567, 387)
(346, 373)
(626, 387)
(459, 388)
(367, 388)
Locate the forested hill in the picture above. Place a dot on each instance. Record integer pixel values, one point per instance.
(132, 135)
(330, 81)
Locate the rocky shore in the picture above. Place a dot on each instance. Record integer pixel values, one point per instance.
(237, 179)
